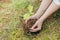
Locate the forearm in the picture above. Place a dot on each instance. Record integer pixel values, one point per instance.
(52, 8)
(44, 5)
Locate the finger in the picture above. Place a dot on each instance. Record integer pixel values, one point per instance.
(34, 26)
(35, 30)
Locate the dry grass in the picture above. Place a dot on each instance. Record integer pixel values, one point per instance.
(11, 27)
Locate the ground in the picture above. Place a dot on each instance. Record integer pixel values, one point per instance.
(11, 25)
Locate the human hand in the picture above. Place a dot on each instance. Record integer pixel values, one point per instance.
(37, 26)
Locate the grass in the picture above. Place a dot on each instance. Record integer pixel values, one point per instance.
(11, 27)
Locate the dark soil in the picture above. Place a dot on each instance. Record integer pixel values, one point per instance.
(28, 25)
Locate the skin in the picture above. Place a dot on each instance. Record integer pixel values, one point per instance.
(44, 5)
(49, 11)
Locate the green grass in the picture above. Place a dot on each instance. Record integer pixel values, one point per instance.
(11, 26)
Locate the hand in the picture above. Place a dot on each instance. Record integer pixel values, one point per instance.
(32, 17)
(36, 27)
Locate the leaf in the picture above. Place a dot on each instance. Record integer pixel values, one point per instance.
(29, 12)
(30, 8)
(26, 16)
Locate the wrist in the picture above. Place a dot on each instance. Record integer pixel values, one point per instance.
(37, 15)
(41, 19)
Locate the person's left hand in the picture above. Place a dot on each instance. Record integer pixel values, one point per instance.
(36, 27)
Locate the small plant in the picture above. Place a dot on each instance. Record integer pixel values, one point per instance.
(29, 12)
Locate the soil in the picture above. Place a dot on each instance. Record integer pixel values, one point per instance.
(28, 25)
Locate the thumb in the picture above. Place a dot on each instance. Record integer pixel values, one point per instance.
(33, 26)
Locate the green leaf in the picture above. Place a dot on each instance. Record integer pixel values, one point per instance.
(26, 16)
(30, 8)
